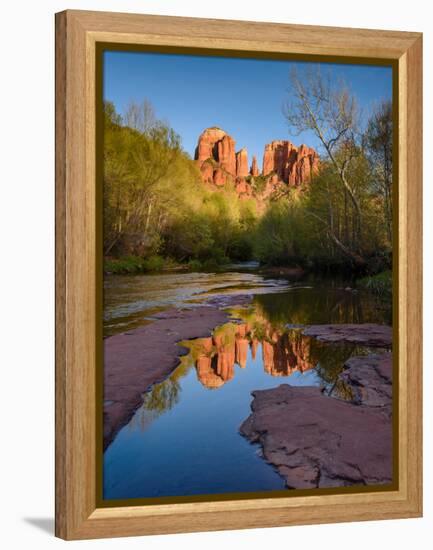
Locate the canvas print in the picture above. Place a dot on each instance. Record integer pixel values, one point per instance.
(247, 244)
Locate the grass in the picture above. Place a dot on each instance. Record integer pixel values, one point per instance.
(155, 264)
(134, 264)
(380, 284)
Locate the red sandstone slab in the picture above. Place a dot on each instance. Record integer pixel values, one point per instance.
(365, 334)
(314, 440)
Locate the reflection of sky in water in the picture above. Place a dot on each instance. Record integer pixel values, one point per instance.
(194, 448)
(185, 438)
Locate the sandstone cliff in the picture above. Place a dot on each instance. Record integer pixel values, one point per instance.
(254, 167)
(242, 170)
(293, 165)
(284, 164)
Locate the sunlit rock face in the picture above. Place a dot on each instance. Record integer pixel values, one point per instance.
(242, 170)
(254, 167)
(293, 165)
(207, 146)
(284, 165)
(216, 151)
(226, 155)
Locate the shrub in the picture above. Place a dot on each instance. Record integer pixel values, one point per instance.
(129, 264)
(380, 284)
(133, 264)
(153, 263)
(210, 265)
(195, 265)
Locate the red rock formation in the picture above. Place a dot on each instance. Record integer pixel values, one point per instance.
(242, 163)
(283, 162)
(215, 155)
(293, 165)
(254, 167)
(207, 141)
(226, 154)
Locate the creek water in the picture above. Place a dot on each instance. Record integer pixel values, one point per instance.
(184, 439)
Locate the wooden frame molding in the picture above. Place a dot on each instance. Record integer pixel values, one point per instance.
(77, 34)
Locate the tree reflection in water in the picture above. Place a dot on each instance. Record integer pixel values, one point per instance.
(262, 330)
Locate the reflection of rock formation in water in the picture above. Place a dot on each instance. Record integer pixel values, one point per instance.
(283, 353)
(207, 372)
(241, 345)
(217, 356)
(214, 369)
(254, 345)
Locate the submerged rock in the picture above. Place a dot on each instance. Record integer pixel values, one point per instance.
(314, 440)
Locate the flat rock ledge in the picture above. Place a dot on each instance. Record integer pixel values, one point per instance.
(365, 334)
(314, 440)
(137, 359)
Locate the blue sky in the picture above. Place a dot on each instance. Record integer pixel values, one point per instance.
(242, 96)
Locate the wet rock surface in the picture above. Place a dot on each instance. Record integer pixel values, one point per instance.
(366, 334)
(315, 440)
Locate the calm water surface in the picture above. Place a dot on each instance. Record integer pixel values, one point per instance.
(185, 438)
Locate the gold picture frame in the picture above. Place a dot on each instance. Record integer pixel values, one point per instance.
(80, 38)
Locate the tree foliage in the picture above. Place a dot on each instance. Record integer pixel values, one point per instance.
(155, 204)
(154, 201)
